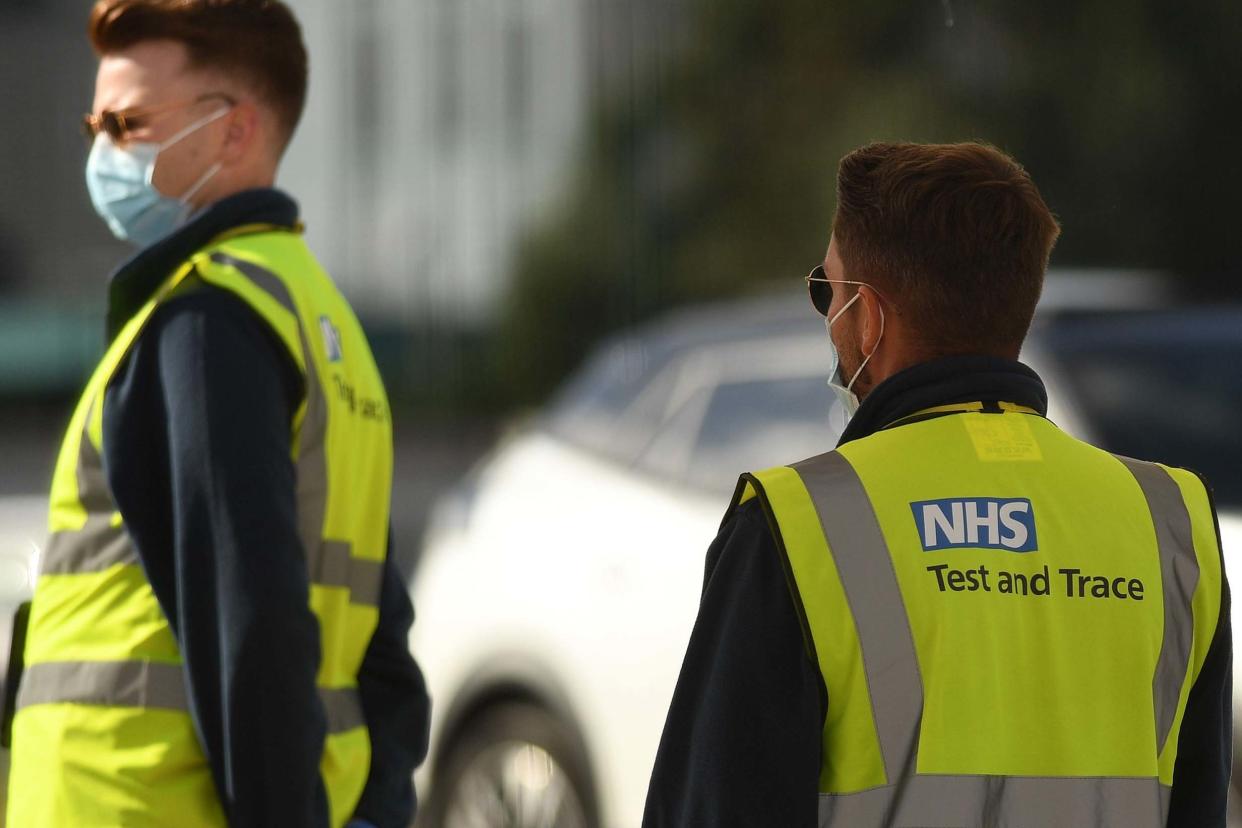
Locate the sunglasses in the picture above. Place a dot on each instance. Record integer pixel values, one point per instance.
(819, 286)
(119, 123)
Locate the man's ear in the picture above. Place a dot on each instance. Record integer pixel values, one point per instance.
(872, 326)
(243, 131)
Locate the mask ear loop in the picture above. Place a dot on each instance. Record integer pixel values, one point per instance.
(858, 373)
(197, 125)
(837, 315)
(202, 182)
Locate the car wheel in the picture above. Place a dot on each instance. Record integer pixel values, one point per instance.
(514, 766)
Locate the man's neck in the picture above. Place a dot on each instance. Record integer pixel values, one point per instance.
(217, 191)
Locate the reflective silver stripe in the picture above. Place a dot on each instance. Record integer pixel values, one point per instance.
(329, 562)
(93, 491)
(265, 279)
(336, 567)
(97, 546)
(866, 570)
(1179, 575)
(112, 683)
(365, 581)
(148, 685)
(312, 485)
(1002, 802)
(343, 709)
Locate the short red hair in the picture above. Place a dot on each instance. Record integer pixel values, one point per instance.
(957, 235)
(256, 42)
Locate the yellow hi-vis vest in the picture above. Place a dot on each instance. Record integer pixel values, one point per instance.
(102, 735)
(1007, 620)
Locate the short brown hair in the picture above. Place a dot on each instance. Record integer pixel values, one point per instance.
(257, 42)
(956, 235)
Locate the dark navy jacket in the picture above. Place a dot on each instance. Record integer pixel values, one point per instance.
(197, 453)
(741, 745)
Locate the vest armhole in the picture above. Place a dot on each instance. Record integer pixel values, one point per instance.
(1220, 543)
(791, 584)
(1211, 501)
(196, 283)
(192, 282)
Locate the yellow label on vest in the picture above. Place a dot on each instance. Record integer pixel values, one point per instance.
(1002, 438)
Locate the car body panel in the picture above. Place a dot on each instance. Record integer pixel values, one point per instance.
(580, 593)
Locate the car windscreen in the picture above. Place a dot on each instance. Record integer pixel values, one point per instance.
(623, 394)
(1161, 386)
(753, 424)
(591, 409)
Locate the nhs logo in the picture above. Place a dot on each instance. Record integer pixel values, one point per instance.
(331, 339)
(976, 522)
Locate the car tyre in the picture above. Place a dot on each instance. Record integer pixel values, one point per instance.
(513, 766)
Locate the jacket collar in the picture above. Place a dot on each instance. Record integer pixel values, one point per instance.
(946, 381)
(133, 283)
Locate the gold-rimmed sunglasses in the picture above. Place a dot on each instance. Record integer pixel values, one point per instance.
(118, 123)
(819, 286)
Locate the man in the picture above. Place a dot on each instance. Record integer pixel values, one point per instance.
(218, 634)
(962, 616)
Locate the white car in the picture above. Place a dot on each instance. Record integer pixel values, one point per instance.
(559, 584)
(23, 530)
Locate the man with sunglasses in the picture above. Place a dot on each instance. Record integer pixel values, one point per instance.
(218, 634)
(962, 616)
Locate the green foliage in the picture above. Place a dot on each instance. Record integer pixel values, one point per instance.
(715, 175)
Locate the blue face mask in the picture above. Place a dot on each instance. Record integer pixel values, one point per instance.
(120, 183)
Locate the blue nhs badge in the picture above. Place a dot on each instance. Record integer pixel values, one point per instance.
(331, 339)
(977, 523)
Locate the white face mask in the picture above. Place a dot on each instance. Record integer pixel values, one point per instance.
(122, 188)
(845, 391)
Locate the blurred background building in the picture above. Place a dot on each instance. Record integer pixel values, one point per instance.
(437, 132)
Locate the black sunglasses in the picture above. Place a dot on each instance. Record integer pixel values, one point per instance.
(819, 286)
(820, 290)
